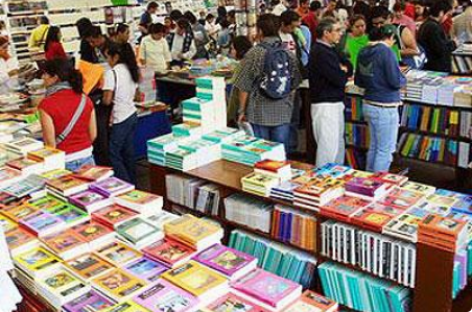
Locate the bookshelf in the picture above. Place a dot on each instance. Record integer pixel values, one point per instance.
(462, 61)
(434, 273)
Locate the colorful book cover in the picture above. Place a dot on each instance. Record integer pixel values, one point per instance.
(7, 173)
(191, 229)
(118, 254)
(234, 303)
(7, 224)
(343, 207)
(371, 220)
(225, 260)
(20, 212)
(418, 187)
(91, 301)
(364, 186)
(391, 178)
(169, 252)
(18, 237)
(87, 198)
(127, 306)
(63, 242)
(313, 302)
(146, 269)
(89, 266)
(112, 187)
(267, 287)
(136, 230)
(137, 197)
(56, 174)
(270, 165)
(63, 283)
(67, 183)
(195, 278)
(164, 297)
(69, 214)
(37, 259)
(47, 203)
(91, 231)
(94, 173)
(22, 163)
(6, 200)
(45, 153)
(113, 215)
(119, 284)
(41, 222)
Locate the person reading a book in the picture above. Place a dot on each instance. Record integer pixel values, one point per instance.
(121, 84)
(67, 115)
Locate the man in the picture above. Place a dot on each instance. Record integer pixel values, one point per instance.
(146, 18)
(311, 19)
(303, 8)
(181, 43)
(330, 10)
(434, 40)
(328, 74)
(290, 21)
(98, 41)
(268, 115)
(400, 18)
(39, 34)
(462, 24)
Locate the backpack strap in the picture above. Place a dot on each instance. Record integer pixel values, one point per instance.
(75, 118)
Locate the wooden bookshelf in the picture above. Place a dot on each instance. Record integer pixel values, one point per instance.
(433, 291)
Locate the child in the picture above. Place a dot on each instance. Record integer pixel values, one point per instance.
(154, 51)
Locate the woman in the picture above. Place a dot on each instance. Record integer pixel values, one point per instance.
(356, 39)
(121, 83)
(122, 33)
(379, 74)
(53, 47)
(241, 45)
(200, 36)
(8, 67)
(67, 115)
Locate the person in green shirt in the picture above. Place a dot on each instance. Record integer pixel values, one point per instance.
(356, 38)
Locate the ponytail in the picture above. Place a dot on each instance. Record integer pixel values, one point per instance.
(126, 56)
(66, 72)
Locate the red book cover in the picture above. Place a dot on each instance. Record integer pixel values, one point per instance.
(113, 215)
(169, 252)
(270, 165)
(343, 207)
(371, 220)
(91, 231)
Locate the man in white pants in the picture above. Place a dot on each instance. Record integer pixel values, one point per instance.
(328, 74)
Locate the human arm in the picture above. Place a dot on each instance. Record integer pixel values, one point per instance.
(394, 76)
(191, 52)
(93, 126)
(243, 96)
(142, 52)
(245, 79)
(409, 48)
(108, 87)
(47, 125)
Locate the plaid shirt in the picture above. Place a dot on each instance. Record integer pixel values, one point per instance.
(261, 110)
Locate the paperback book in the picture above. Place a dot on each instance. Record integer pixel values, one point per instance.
(90, 301)
(113, 216)
(172, 253)
(119, 285)
(66, 245)
(112, 187)
(146, 204)
(138, 233)
(90, 201)
(95, 234)
(146, 269)
(89, 266)
(118, 254)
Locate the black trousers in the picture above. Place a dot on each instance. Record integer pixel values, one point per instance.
(101, 152)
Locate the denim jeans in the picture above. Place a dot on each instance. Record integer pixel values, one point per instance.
(75, 165)
(279, 133)
(122, 149)
(383, 128)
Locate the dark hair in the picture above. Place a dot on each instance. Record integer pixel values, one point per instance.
(121, 28)
(175, 15)
(221, 11)
(94, 32)
(192, 19)
(326, 24)
(355, 18)
(398, 7)
(83, 27)
(52, 36)
(152, 5)
(43, 20)
(232, 14)
(381, 33)
(209, 16)
(315, 5)
(66, 72)
(303, 1)
(288, 17)
(242, 45)
(184, 24)
(157, 28)
(379, 11)
(268, 24)
(224, 23)
(440, 6)
(126, 56)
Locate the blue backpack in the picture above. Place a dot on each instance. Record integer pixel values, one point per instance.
(276, 82)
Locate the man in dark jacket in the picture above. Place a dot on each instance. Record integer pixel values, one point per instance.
(431, 36)
(328, 74)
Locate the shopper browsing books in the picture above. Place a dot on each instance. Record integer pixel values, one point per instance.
(154, 51)
(8, 66)
(67, 115)
(122, 33)
(38, 35)
(379, 74)
(121, 83)
(181, 42)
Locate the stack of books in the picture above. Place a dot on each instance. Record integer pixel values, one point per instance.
(259, 183)
(66, 186)
(113, 216)
(112, 187)
(158, 147)
(343, 208)
(52, 158)
(67, 245)
(146, 204)
(23, 146)
(8, 176)
(138, 233)
(209, 199)
(27, 166)
(405, 225)
(90, 201)
(248, 211)
(90, 299)
(182, 190)
(170, 252)
(204, 151)
(318, 193)
(249, 150)
(89, 266)
(285, 190)
(94, 173)
(223, 135)
(281, 170)
(367, 188)
(442, 232)
(32, 186)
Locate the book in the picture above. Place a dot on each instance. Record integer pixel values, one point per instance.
(95, 234)
(90, 301)
(118, 254)
(90, 201)
(146, 269)
(138, 233)
(94, 173)
(46, 202)
(234, 303)
(343, 207)
(372, 220)
(112, 187)
(445, 231)
(367, 188)
(24, 145)
(313, 302)
(318, 192)
(67, 185)
(119, 285)
(391, 178)
(6, 224)
(270, 291)
(37, 262)
(169, 252)
(70, 214)
(278, 169)
(55, 174)
(89, 266)
(144, 203)
(66, 245)
(203, 283)
(9, 176)
(230, 262)
(53, 159)
(20, 212)
(113, 216)
(26, 166)
(248, 211)
(127, 306)
(19, 241)
(32, 186)
(43, 223)
(163, 297)
(259, 184)
(196, 233)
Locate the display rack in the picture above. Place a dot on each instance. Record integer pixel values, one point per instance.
(434, 274)
(462, 61)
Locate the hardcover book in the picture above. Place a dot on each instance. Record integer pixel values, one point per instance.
(169, 252)
(229, 262)
(164, 297)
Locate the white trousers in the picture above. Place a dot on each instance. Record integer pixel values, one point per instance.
(328, 130)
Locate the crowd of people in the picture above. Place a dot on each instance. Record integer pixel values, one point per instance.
(315, 46)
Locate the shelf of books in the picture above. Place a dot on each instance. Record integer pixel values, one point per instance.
(435, 121)
(462, 60)
(368, 236)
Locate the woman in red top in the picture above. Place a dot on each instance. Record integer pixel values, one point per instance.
(53, 48)
(67, 115)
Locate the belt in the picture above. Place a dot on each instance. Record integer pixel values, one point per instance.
(382, 106)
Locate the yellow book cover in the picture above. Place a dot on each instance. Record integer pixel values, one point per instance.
(127, 306)
(194, 278)
(119, 284)
(190, 228)
(6, 223)
(118, 253)
(36, 259)
(44, 153)
(54, 174)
